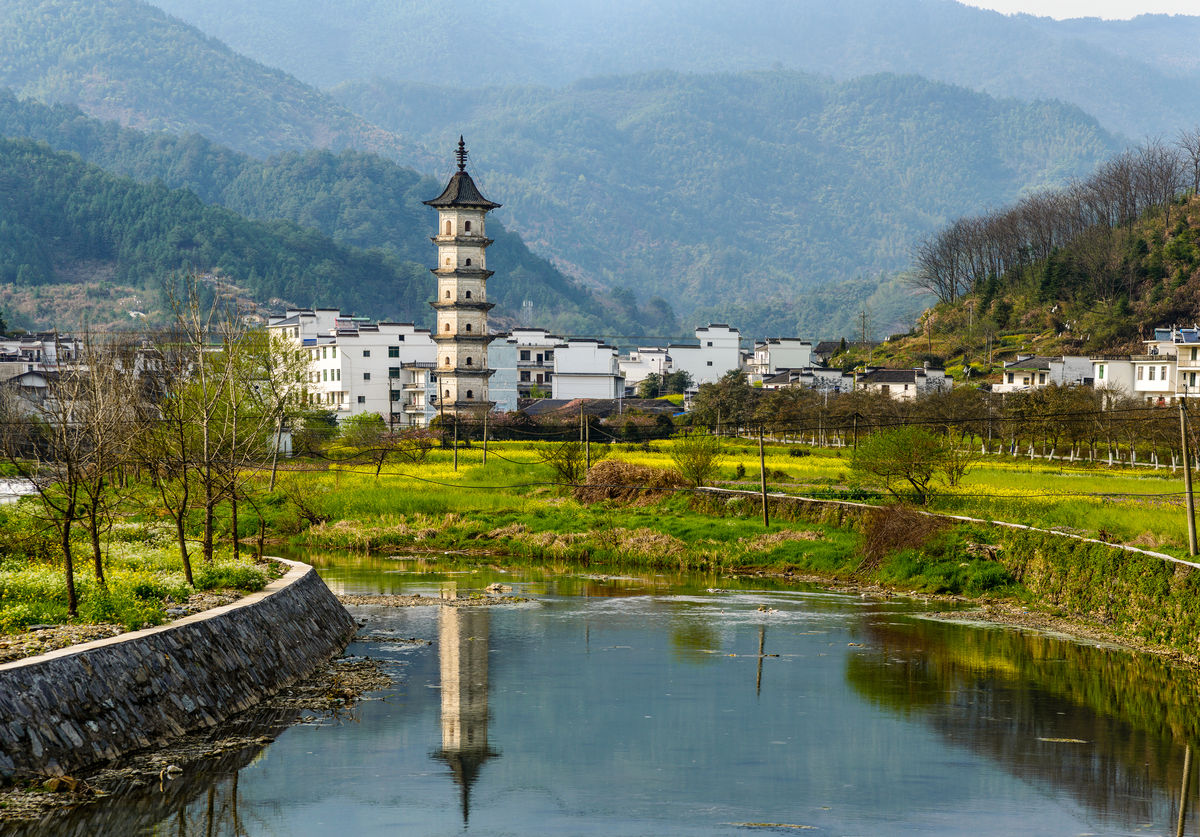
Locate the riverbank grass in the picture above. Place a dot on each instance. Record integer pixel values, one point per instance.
(143, 579)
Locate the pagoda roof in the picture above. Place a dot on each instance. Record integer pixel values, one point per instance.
(461, 191)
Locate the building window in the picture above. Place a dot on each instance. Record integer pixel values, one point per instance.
(447, 393)
(468, 294)
(524, 354)
(447, 363)
(447, 294)
(525, 376)
(549, 356)
(1010, 377)
(1163, 376)
(339, 374)
(366, 376)
(1194, 354)
(324, 351)
(710, 346)
(395, 395)
(468, 262)
(1100, 372)
(362, 399)
(710, 363)
(468, 361)
(366, 352)
(449, 228)
(393, 351)
(324, 374)
(333, 352)
(1191, 379)
(393, 371)
(1041, 377)
(468, 328)
(1152, 373)
(1139, 375)
(467, 226)
(470, 393)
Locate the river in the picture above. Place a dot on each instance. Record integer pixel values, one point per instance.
(702, 706)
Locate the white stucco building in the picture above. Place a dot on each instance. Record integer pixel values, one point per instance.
(777, 353)
(717, 350)
(1034, 372)
(356, 366)
(586, 368)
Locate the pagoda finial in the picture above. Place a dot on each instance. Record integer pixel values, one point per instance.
(461, 154)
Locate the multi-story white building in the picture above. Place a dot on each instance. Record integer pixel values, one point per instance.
(356, 366)
(586, 368)
(778, 353)
(643, 362)
(534, 356)
(717, 351)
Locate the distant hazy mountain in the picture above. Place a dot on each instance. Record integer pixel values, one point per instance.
(1138, 77)
(729, 189)
(126, 60)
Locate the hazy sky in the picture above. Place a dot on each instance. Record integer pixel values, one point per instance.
(1090, 8)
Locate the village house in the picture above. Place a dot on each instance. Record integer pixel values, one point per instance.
(586, 368)
(1033, 372)
(717, 350)
(779, 353)
(903, 384)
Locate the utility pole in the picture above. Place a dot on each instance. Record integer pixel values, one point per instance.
(1187, 476)
(762, 472)
(587, 445)
(856, 430)
(456, 443)
(485, 417)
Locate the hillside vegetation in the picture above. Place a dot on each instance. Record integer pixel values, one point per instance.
(744, 192)
(1138, 77)
(357, 199)
(1092, 268)
(126, 60)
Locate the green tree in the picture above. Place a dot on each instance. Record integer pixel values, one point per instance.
(697, 456)
(905, 460)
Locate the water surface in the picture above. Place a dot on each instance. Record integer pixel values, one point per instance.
(661, 706)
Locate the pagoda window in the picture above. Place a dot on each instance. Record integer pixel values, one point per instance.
(447, 294)
(469, 362)
(449, 228)
(467, 226)
(468, 294)
(470, 394)
(447, 328)
(447, 363)
(468, 262)
(468, 328)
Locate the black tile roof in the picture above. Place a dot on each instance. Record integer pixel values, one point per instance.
(890, 376)
(461, 191)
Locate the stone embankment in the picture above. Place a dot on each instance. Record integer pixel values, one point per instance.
(80, 706)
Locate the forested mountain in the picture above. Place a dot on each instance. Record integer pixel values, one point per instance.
(1138, 77)
(126, 60)
(64, 222)
(357, 199)
(744, 190)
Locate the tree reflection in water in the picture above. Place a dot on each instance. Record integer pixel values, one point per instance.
(1106, 726)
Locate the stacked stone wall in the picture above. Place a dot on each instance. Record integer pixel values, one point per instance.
(80, 706)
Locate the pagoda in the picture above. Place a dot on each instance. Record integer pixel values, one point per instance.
(461, 333)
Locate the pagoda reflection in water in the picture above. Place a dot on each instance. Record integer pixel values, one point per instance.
(463, 655)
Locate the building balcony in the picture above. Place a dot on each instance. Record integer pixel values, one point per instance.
(462, 305)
